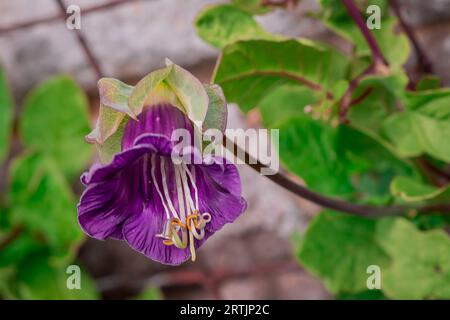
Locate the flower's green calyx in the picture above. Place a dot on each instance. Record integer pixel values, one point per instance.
(204, 105)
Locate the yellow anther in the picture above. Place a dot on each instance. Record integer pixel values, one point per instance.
(177, 222)
(168, 242)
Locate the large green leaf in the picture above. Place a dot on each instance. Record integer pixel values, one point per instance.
(370, 165)
(55, 120)
(6, 114)
(338, 248)
(248, 70)
(17, 250)
(285, 102)
(415, 133)
(411, 190)
(37, 279)
(437, 108)
(308, 148)
(417, 99)
(225, 24)
(44, 203)
(420, 267)
(428, 82)
(385, 95)
(338, 161)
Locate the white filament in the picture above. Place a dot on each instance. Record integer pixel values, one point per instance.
(180, 193)
(166, 190)
(187, 206)
(187, 190)
(157, 187)
(192, 180)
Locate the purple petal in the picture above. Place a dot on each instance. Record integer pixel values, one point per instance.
(113, 194)
(219, 188)
(140, 232)
(161, 119)
(121, 200)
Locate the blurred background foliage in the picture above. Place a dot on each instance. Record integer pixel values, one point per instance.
(297, 86)
(376, 158)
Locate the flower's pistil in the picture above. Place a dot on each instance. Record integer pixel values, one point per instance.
(181, 227)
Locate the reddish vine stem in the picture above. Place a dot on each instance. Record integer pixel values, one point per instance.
(378, 65)
(346, 100)
(89, 54)
(329, 202)
(57, 17)
(373, 45)
(282, 3)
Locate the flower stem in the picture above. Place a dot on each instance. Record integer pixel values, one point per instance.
(379, 64)
(373, 45)
(329, 202)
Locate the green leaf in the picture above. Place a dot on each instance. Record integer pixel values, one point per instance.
(428, 82)
(413, 133)
(394, 46)
(421, 265)
(428, 221)
(285, 102)
(6, 115)
(416, 99)
(411, 190)
(385, 96)
(55, 120)
(19, 249)
(308, 148)
(251, 6)
(224, 24)
(150, 293)
(437, 108)
(216, 117)
(44, 203)
(373, 294)
(338, 248)
(370, 165)
(6, 274)
(248, 70)
(37, 279)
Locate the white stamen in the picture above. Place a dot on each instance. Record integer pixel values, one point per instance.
(192, 180)
(187, 190)
(157, 186)
(180, 193)
(195, 233)
(191, 246)
(166, 189)
(191, 224)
